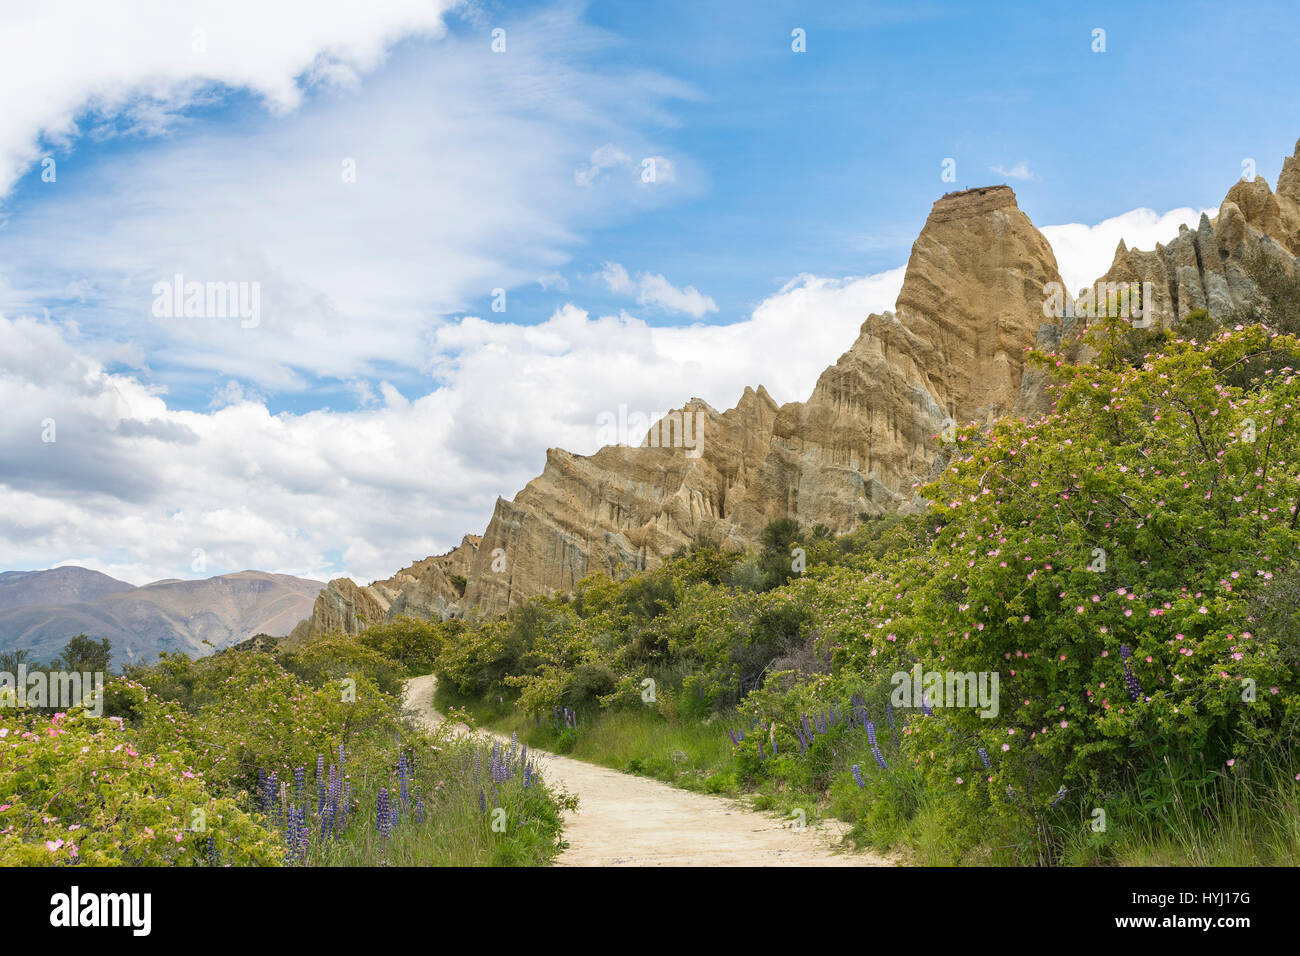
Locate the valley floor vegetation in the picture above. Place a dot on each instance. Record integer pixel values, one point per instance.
(1127, 566)
(267, 757)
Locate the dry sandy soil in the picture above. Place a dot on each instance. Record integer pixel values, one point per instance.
(623, 820)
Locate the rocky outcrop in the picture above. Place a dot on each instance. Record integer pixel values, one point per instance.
(1205, 268)
(429, 589)
(973, 302)
(951, 352)
(624, 509)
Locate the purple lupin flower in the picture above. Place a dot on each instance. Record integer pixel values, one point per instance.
(857, 775)
(1130, 679)
(807, 729)
(875, 750)
(889, 713)
(383, 820)
(925, 705)
(984, 757)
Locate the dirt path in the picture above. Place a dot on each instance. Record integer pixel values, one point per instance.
(623, 820)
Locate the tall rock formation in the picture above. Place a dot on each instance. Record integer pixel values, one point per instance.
(1205, 268)
(953, 350)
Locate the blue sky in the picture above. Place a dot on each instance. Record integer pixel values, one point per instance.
(381, 404)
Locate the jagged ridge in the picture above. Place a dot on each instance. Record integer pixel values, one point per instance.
(972, 302)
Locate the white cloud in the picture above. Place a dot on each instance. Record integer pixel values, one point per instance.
(233, 392)
(135, 67)
(655, 290)
(606, 157)
(462, 158)
(1085, 253)
(133, 485)
(1020, 171)
(364, 492)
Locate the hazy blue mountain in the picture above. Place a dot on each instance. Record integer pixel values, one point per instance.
(41, 610)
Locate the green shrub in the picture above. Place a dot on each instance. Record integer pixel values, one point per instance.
(80, 789)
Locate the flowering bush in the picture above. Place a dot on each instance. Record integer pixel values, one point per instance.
(76, 789)
(244, 713)
(1105, 561)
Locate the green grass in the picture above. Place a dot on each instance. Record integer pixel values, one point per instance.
(690, 754)
(1237, 820)
(455, 831)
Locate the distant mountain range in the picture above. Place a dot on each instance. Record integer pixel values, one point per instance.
(41, 610)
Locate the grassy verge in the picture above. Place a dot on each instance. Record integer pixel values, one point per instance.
(454, 815)
(1232, 819)
(690, 754)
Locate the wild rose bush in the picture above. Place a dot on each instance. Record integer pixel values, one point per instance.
(76, 789)
(241, 713)
(1154, 467)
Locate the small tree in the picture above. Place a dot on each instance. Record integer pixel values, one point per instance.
(84, 654)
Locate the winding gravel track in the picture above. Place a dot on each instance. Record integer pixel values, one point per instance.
(624, 820)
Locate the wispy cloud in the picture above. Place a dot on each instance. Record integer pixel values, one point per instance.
(366, 217)
(1020, 171)
(654, 290)
(138, 66)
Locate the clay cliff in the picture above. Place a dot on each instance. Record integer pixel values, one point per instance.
(1205, 268)
(952, 351)
(428, 589)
